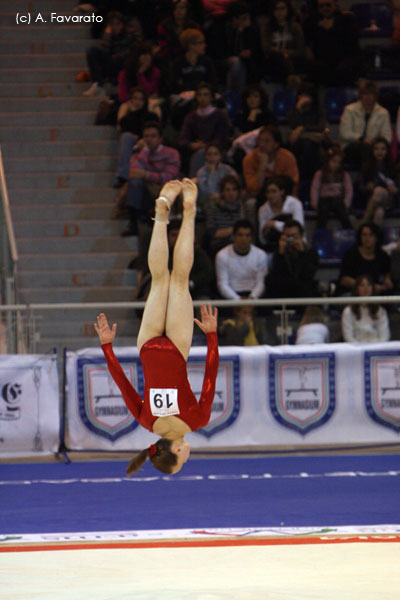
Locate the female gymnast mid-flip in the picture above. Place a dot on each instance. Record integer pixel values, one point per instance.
(169, 408)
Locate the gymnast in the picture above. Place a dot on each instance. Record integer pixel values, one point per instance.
(169, 408)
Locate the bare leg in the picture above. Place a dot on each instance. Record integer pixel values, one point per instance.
(154, 316)
(179, 322)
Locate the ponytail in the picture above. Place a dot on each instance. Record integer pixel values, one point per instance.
(159, 454)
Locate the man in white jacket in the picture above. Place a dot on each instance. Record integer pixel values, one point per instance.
(362, 122)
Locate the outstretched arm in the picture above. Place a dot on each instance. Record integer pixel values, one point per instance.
(106, 334)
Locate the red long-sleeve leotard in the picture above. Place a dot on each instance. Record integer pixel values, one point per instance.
(165, 367)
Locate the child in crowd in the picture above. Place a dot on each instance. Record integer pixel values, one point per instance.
(332, 190)
(378, 182)
(209, 177)
(365, 322)
(312, 328)
(241, 330)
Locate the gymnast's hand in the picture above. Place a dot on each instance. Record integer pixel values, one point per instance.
(208, 322)
(104, 332)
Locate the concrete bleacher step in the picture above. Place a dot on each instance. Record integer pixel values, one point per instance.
(48, 104)
(53, 196)
(54, 119)
(59, 171)
(44, 75)
(45, 61)
(42, 34)
(39, 48)
(45, 90)
(68, 220)
(76, 327)
(57, 133)
(61, 180)
(22, 150)
(77, 278)
(36, 5)
(53, 261)
(77, 294)
(78, 244)
(49, 344)
(68, 229)
(55, 164)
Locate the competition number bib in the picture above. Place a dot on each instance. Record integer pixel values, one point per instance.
(164, 402)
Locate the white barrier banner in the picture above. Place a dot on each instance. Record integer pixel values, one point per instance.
(265, 396)
(29, 405)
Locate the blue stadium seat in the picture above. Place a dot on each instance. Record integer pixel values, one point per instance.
(304, 193)
(232, 100)
(331, 244)
(336, 99)
(374, 19)
(284, 101)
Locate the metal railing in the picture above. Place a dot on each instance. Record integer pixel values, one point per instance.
(26, 316)
(9, 260)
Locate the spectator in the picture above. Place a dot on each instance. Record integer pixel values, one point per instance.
(241, 267)
(268, 159)
(239, 56)
(332, 45)
(332, 191)
(294, 266)
(222, 214)
(361, 122)
(283, 43)
(193, 67)
(255, 112)
(130, 119)
(395, 266)
(139, 71)
(243, 329)
(209, 177)
(308, 131)
(202, 126)
(365, 322)
(313, 329)
(149, 170)
(278, 208)
(366, 257)
(379, 181)
(170, 29)
(106, 58)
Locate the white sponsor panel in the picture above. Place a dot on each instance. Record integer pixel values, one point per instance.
(29, 405)
(265, 396)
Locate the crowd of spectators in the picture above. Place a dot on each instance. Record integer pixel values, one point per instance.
(190, 86)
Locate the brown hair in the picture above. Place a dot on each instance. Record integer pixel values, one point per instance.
(164, 459)
(368, 87)
(327, 175)
(312, 314)
(372, 308)
(190, 36)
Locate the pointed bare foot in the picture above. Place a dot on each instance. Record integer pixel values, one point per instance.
(189, 193)
(168, 194)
